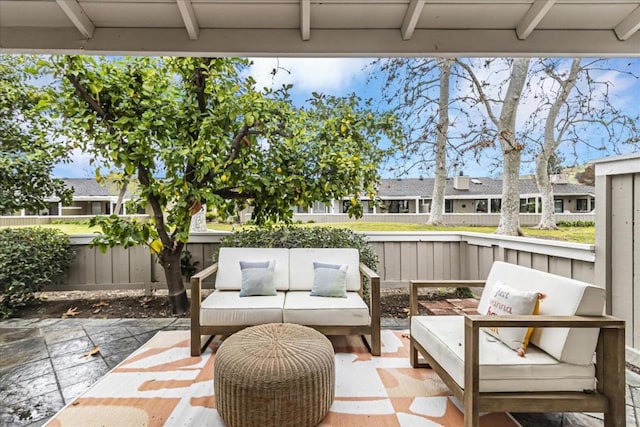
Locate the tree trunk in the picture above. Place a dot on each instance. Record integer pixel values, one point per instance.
(550, 145)
(437, 199)
(510, 208)
(170, 261)
(199, 221)
(123, 191)
(548, 218)
(511, 150)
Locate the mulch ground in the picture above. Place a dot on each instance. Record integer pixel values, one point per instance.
(134, 304)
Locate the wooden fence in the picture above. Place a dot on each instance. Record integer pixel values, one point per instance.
(12, 221)
(403, 257)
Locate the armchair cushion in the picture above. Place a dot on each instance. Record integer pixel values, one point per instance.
(501, 369)
(564, 297)
(304, 309)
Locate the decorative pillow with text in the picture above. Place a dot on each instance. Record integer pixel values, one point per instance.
(505, 300)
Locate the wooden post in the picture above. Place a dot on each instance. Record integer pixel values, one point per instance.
(617, 252)
(471, 374)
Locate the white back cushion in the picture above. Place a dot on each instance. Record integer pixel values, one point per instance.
(229, 276)
(564, 297)
(302, 259)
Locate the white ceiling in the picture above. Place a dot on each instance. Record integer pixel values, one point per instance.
(323, 27)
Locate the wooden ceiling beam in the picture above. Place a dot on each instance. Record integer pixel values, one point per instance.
(305, 19)
(532, 18)
(629, 25)
(411, 18)
(77, 15)
(189, 18)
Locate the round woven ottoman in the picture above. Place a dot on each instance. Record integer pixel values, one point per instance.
(278, 374)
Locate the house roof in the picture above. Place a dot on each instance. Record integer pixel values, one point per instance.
(415, 187)
(90, 188)
(310, 28)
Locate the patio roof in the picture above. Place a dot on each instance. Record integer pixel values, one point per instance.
(323, 27)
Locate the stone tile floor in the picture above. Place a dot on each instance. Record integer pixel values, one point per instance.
(42, 367)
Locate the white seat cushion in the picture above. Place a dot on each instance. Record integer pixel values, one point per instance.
(302, 259)
(501, 369)
(227, 308)
(303, 309)
(229, 276)
(564, 297)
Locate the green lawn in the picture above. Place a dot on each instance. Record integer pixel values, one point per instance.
(72, 228)
(571, 234)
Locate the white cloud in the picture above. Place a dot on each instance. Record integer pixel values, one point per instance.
(307, 74)
(78, 167)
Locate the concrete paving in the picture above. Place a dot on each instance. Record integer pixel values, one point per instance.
(42, 367)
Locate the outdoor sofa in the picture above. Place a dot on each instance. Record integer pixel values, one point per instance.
(557, 373)
(224, 311)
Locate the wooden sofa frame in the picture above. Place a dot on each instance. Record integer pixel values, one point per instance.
(371, 331)
(608, 398)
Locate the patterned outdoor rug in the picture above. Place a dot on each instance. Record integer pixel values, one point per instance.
(160, 384)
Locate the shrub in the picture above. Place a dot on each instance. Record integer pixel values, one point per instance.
(303, 237)
(576, 224)
(211, 217)
(30, 259)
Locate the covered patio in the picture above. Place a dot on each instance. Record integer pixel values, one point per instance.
(372, 28)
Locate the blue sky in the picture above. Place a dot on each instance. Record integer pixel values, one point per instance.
(337, 76)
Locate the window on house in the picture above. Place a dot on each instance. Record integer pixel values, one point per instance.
(528, 205)
(448, 206)
(399, 206)
(96, 208)
(558, 205)
(481, 206)
(582, 205)
(496, 205)
(319, 207)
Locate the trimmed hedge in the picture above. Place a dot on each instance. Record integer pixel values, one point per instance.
(576, 223)
(30, 259)
(301, 237)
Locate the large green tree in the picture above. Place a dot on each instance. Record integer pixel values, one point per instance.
(195, 131)
(28, 152)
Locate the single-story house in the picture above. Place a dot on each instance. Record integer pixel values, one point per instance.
(89, 198)
(465, 194)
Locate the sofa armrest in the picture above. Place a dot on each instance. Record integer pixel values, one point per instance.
(538, 321)
(196, 288)
(414, 285)
(374, 306)
(374, 291)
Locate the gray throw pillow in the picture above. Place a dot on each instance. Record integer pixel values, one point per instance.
(257, 278)
(329, 280)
